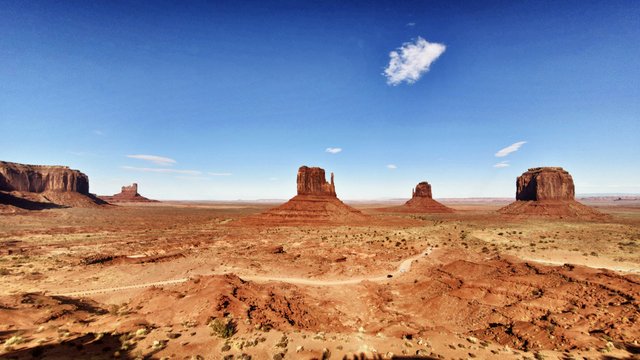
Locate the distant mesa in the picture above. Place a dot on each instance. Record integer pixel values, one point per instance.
(421, 202)
(316, 202)
(37, 187)
(127, 194)
(547, 191)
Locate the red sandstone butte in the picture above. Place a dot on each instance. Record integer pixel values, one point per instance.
(40, 187)
(421, 202)
(127, 194)
(316, 201)
(547, 191)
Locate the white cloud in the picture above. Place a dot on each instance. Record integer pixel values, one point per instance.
(219, 174)
(411, 24)
(501, 164)
(158, 160)
(411, 61)
(392, 166)
(163, 170)
(333, 150)
(509, 149)
(98, 132)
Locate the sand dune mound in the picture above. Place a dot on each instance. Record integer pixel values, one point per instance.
(549, 192)
(316, 202)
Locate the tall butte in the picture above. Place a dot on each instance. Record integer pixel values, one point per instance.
(421, 202)
(547, 191)
(36, 187)
(315, 202)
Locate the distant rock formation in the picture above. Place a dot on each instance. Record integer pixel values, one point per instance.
(36, 187)
(127, 194)
(421, 202)
(547, 191)
(316, 202)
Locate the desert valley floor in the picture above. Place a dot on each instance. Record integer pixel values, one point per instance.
(211, 281)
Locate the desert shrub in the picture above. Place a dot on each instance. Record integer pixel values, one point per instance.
(223, 328)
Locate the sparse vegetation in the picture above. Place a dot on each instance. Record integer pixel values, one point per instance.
(222, 328)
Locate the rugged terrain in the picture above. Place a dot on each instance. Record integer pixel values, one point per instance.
(186, 279)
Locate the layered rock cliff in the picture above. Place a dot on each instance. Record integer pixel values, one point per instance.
(39, 178)
(37, 187)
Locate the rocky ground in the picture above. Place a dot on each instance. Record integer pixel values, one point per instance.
(188, 280)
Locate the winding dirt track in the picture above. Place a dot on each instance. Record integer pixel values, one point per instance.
(404, 267)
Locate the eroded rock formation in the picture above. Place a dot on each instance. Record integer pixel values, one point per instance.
(38, 178)
(127, 194)
(421, 202)
(547, 191)
(545, 183)
(312, 181)
(315, 202)
(423, 189)
(35, 187)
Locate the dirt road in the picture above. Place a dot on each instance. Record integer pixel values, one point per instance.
(404, 267)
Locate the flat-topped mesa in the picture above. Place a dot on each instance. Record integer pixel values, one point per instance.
(545, 184)
(549, 192)
(312, 181)
(422, 190)
(40, 178)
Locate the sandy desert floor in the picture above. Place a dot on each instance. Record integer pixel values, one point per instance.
(202, 281)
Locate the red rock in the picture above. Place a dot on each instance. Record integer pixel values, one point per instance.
(421, 202)
(312, 181)
(549, 192)
(39, 178)
(423, 189)
(127, 194)
(316, 202)
(37, 187)
(545, 183)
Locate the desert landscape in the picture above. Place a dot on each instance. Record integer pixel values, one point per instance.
(315, 278)
(319, 180)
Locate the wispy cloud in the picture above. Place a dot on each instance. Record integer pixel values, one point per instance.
(158, 160)
(392, 166)
(163, 170)
(411, 61)
(502, 164)
(333, 150)
(509, 149)
(98, 132)
(220, 174)
(411, 24)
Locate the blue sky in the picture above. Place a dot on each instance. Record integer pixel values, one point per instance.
(238, 95)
